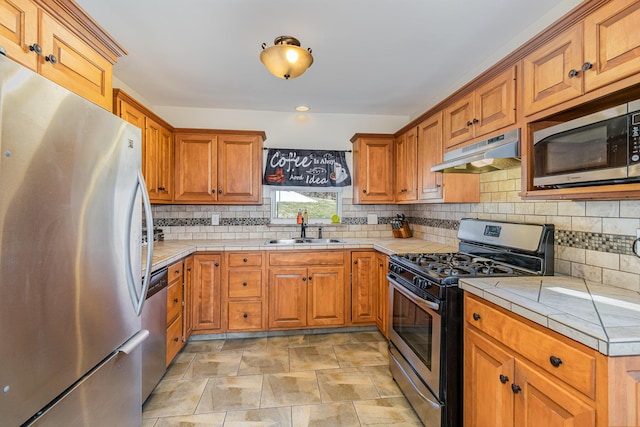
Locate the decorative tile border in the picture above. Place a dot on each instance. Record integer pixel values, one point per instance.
(600, 242)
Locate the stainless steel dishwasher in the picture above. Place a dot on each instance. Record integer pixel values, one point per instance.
(154, 319)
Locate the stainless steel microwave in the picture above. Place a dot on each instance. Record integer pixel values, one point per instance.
(601, 148)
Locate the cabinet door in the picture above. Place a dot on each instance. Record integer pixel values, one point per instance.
(429, 154)
(612, 43)
(19, 30)
(382, 293)
(363, 287)
(458, 122)
(406, 167)
(495, 103)
(541, 402)
(373, 165)
(187, 313)
(206, 293)
(158, 161)
(325, 296)
(547, 80)
(488, 375)
(287, 297)
(240, 169)
(195, 169)
(77, 67)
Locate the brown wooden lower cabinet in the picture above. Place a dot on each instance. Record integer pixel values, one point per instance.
(382, 293)
(245, 291)
(306, 289)
(175, 304)
(364, 273)
(207, 316)
(518, 373)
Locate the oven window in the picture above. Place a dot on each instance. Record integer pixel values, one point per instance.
(414, 326)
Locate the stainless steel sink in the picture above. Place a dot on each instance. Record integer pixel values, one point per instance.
(303, 241)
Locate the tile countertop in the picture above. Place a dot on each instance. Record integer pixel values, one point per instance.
(602, 317)
(169, 251)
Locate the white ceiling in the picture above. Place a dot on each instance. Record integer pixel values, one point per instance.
(386, 57)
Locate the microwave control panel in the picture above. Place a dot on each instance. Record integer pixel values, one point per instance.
(634, 138)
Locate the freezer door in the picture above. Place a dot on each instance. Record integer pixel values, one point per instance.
(68, 174)
(91, 402)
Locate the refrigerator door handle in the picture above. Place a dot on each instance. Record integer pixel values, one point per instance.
(138, 299)
(134, 342)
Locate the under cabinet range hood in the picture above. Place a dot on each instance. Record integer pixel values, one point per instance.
(498, 152)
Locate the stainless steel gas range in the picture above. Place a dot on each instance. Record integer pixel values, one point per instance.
(425, 333)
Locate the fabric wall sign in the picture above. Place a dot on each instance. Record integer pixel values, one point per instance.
(306, 168)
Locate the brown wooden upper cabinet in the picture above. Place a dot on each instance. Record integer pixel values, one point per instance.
(598, 51)
(218, 166)
(373, 168)
(438, 187)
(51, 38)
(406, 167)
(490, 107)
(157, 146)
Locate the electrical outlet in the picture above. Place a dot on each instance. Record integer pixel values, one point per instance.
(372, 219)
(215, 219)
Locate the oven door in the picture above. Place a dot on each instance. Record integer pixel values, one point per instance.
(415, 332)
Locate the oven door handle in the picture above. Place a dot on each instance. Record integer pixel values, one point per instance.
(433, 404)
(434, 306)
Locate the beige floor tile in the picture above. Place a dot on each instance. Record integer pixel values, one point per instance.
(174, 398)
(312, 357)
(231, 393)
(149, 422)
(179, 366)
(300, 340)
(214, 364)
(278, 342)
(209, 346)
(360, 354)
(268, 361)
(245, 344)
(330, 339)
(394, 411)
(341, 414)
(293, 388)
(202, 420)
(270, 417)
(383, 380)
(369, 336)
(345, 384)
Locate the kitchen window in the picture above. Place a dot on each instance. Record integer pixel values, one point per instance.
(321, 204)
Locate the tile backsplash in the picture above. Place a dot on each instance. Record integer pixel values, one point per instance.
(593, 239)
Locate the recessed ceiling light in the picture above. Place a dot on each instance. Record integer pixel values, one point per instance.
(302, 108)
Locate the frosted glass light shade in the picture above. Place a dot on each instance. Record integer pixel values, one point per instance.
(286, 59)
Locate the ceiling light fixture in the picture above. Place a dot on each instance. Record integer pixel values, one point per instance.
(286, 59)
(302, 108)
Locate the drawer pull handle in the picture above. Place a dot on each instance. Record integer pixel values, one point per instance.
(245, 315)
(476, 316)
(504, 379)
(555, 361)
(515, 388)
(244, 283)
(175, 300)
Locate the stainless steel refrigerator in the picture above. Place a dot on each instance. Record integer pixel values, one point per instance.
(71, 293)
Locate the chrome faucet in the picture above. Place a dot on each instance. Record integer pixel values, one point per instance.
(303, 229)
(319, 232)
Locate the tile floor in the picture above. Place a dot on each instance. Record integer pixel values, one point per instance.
(335, 379)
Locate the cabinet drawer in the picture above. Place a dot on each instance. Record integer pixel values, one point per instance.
(247, 259)
(245, 283)
(174, 339)
(295, 258)
(575, 366)
(174, 301)
(174, 272)
(245, 315)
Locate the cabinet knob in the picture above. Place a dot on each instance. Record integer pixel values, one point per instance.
(475, 120)
(381, 265)
(176, 339)
(304, 279)
(573, 73)
(504, 379)
(245, 260)
(245, 315)
(555, 361)
(587, 66)
(51, 58)
(216, 264)
(476, 316)
(175, 300)
(219, 191)
(355, 262)
(364, 191)
(176, 271)
(189, 269)
(516, 388)
(244, 283)
(35, 48)
(213, 191)
(469, 123)
(310, 278)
